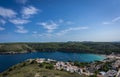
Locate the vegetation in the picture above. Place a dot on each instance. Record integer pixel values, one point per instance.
(107, 66)
(81, 64)
(93, 76)
(82, 47)
(33, 69)
(14, 47)
(46, 65)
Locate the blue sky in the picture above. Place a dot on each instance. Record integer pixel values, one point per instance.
(59, 20)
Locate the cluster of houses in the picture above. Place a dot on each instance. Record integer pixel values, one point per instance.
(87, 70)
(113, 67)
(67, 67)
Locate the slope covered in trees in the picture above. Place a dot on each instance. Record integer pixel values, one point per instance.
(82, 47)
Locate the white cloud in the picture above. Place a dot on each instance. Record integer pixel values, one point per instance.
(1, 28)
(20, 29)
(116, 19)
(50, 26)
(27, 12)
(106, 23)
(9, 13)
(19, 21)
(53, 25)
(2, 21)
(49, 35)
(112, 21)
(71, 29)
(21, 1)
(65, 22)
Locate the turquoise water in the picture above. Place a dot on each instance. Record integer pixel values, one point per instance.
(8, 60)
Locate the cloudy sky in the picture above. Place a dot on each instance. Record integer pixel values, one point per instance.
(59, 20)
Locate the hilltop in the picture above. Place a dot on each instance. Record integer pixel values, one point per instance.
(31, 68)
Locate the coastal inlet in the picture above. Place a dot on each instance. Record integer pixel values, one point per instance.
(9, 60)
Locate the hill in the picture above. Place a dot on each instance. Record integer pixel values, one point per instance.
(14, 48)
(33, 69)
(82, 47)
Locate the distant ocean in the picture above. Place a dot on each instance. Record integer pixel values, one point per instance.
(8, 60)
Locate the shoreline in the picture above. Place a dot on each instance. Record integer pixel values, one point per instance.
(12, 52)
(72, 67)
(26, 52)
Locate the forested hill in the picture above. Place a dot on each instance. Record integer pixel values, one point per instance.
(83, 47)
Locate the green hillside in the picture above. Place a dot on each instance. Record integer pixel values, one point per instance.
(82, 47)
(14, 48)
